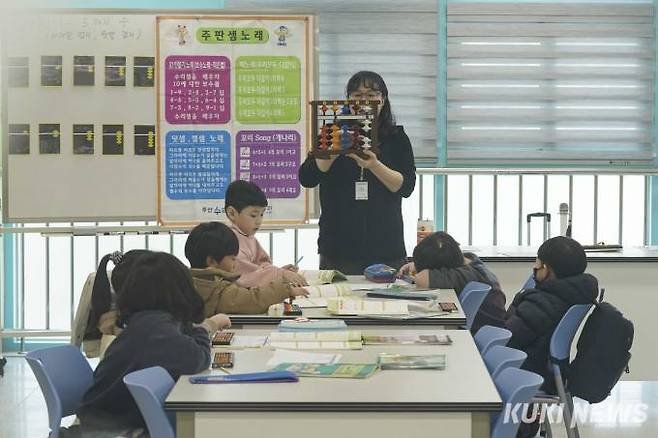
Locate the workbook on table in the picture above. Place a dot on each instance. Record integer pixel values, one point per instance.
(434, 339)
(392, 361)
(323, 276)
(327, 340)
(355, 306)
(338, 370)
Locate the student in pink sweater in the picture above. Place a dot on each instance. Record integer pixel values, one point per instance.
(245, 205)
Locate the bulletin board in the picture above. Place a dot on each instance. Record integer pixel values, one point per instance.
(233, 96)
(78, 116)
(83, 137)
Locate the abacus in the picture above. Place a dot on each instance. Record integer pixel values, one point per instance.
(344, 127)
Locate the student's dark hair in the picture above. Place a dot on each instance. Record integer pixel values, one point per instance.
(374, 81)
(565, 256)
(212, 239)
(436, 251)
(101, 293)
(241, 194)
(159, 281)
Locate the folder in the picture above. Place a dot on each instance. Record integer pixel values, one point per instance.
(262, 377)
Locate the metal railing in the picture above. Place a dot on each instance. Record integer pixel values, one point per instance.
(171, 238)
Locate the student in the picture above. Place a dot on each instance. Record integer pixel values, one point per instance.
(212, 250)
(560, 282)
(358, 231)
(438, 262)
(245, 205)
(102, 316)
(158, 308)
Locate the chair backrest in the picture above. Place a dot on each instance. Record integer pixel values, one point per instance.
(514, 386)
(562, 338)
(471, 298)
(488, 336)
(529, 283)
(64, 375)
(149, 387)
(499, 358)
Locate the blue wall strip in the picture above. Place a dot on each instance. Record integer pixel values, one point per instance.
(441, 114)
(114, 4)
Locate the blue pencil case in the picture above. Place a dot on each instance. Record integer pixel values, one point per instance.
(263, 377)
(380, 273)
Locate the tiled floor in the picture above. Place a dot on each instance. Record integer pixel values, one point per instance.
(630, 412)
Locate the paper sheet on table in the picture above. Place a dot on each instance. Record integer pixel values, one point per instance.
(291, 356)
(311, 303)
(245, 341)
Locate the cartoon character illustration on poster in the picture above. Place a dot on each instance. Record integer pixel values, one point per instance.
(183, 34)
(282, 32)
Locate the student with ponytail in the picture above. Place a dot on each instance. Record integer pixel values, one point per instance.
(102, 314)
(163, 323)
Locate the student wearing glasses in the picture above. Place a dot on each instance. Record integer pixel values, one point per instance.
(361, 219)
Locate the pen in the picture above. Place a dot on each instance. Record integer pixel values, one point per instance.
(299, 260)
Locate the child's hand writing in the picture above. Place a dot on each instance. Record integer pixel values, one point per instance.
(294, 278)
(292, 268)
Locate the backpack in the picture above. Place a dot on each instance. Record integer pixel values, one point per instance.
(603, 353)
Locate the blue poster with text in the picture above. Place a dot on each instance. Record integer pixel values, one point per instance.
(198, 164)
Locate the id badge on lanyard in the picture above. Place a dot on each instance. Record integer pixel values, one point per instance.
(361, 189)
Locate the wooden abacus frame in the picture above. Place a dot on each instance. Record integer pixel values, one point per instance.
(333, 116)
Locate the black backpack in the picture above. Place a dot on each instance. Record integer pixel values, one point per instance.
(603, 353)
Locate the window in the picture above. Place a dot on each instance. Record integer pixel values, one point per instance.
(550, 84)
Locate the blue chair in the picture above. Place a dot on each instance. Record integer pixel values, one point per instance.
(149, 387)
(560, 351)
(488, 336)
(529, 283)
(499, 358)
(514, 386)
(559, 354)
(64, 376)
(471, 298)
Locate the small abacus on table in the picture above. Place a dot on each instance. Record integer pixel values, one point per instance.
(344, 127)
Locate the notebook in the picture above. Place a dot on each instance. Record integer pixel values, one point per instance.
(391, 361)
(323, 276)
(339, 370)
(440, 339)
(262, 377)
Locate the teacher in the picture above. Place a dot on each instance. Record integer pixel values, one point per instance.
(361, 199)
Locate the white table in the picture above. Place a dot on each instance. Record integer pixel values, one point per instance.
(455, 402)
(451, 320)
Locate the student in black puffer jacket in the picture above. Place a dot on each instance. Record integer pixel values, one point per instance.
(440, 263)
(535, 313)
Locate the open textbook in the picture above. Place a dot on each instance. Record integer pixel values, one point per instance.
(324, 276)
(325, 340)
(329, 290)
(357, 306)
